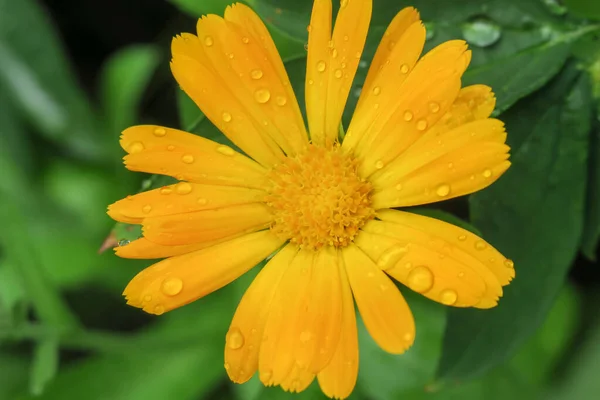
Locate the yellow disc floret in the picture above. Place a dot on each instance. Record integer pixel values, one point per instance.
(319, 199)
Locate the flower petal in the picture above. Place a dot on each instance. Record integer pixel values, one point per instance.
(426, 95)
(382, 307)
(338, 378)
(165, 151)
(177, 281)
(207, 225)
(241, 362)
(142, 248)
(297, 380)
(396, 55)
(461, 161)
(449, 242)
(184, 197)
(332, 62)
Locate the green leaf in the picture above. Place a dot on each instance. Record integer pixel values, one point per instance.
(45, 365)
(13, 379)
(584, 8)
(534, 215)
(385, 376)
(36, 73)
(125, 76)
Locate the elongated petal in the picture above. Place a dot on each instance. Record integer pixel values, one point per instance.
(184, 197)
(297, 380)
(338, 378)
(429, 236)
(241, 356)
(208, 225)
(177, 281)
(382, 307)
(332, 62)
(182, 155)
(142, 248)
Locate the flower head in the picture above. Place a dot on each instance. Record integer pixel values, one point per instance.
(322, 205)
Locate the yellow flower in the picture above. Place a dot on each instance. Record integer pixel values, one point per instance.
(322, 205)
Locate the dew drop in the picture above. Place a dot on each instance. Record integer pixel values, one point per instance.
(481, 32)
(443, 190)
(338, 73)
(202, 201)
(172, 286)
(321, 66)
(408, 115)
(226, 117)
(160, 132)
(305, 336)
(262, 96)
(346, 38)
(170, 147)
(256, 74)
(230, 55)
(166, 190)
(245, 40)
(391, 45)
(434, 107)
(265, 376)
(376, 90)
(462, 238)
(159, 309)
(343, 3)
(123, 242)
(208, 41)
(227, 367)
(448, 297)
(421, 125)
(183, 188)
(226, 151)
(334, 53)
(187, 158)
(147, 298)
(461, 274)
(404, 68)
(147, 208)
(308, 28)
(136, 147)
(310, 81)
(508, 263)
(399, 186)
(487, 173)
(408, 337)
(391, 256)
(234, 339)
(379, 164)
(281, 101)
(420, 279)
(480, 245)
(371, 274)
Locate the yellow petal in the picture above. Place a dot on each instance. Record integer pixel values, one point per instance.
(332, 62)
(338, 378)
(184, 197)
(425, 96)
(382, 307)
(449, 242)
(165, 151)
(177, 281)
(144, 249)
(208, 225)
(458, 162)
(297, 380)
(245, 333)
(396, 56)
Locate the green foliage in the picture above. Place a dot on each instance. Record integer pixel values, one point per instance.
(58, 171)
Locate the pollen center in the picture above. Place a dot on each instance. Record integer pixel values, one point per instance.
(319, 199)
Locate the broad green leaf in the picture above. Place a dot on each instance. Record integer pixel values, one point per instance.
(11, 292)
(584, 8)
(384, 376)
(34, 70)
(533, 215)
(45, 365)
(13, 379)
(125, 76)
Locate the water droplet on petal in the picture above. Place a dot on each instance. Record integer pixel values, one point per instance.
(160, 132)
(343, 3)
(208, 41)
(170, 147)
(256, 74)
(183, 188)
(245, 40)
(443, 190)
(136, 147)
(226, 117)
(399, 186)
(408, 115)
(404, 68)
(234, 339)
(346, 38)
(281, 101)
(420, 279)
(448, 297)
(202, 201)
(334, 53)
(265, 377)
(391, 256)
(159, 309)
(480, 245)
(172, 286)
(379, 164)
(187, 158)
(434, 107)
(147, 298)
(408, 337)
(166, 190)
(376, 90)
(462, 238)
(262, 95)
(308, 28)
(147, 208)
(508, 263)
(421, 125)
(481, 32)
(227, 367)
(123, 242)
(338, 73)
(321, 66)
(487, 173)
(305, 336)
(225, 150)
(461, 274)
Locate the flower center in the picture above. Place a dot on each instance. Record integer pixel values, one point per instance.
(319, 199)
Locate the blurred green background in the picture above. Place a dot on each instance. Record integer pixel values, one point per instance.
(73, 74)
